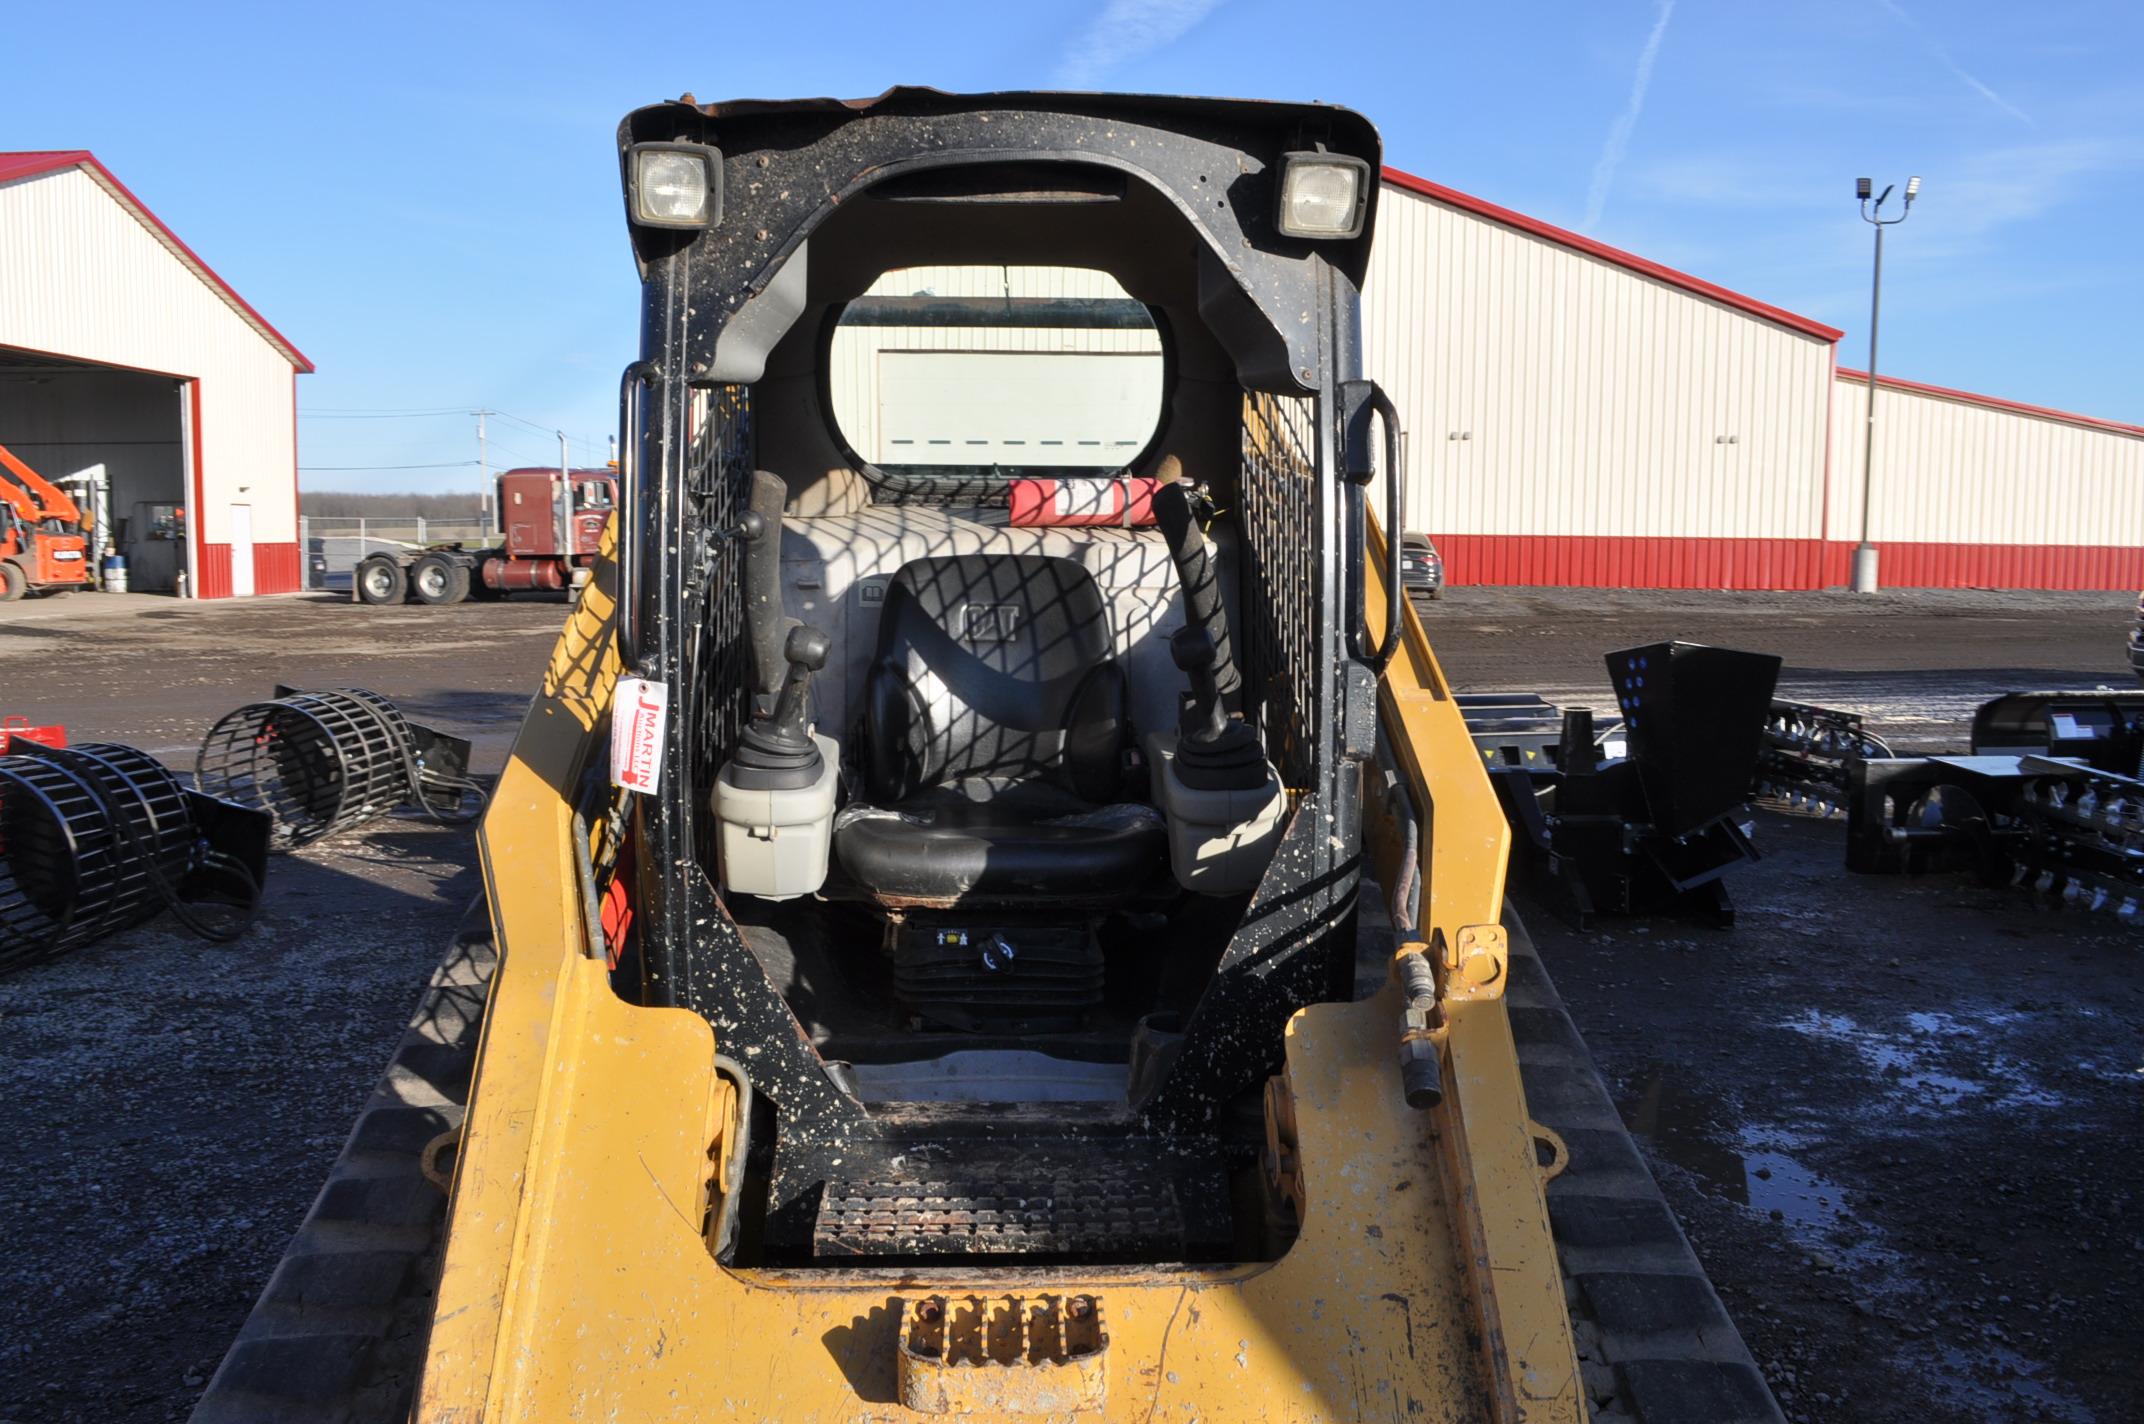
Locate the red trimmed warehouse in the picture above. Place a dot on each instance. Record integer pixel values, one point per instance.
(132, 374)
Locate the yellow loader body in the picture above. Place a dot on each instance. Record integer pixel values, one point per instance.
(578, 1283)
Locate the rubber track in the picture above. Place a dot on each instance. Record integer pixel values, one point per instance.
(1654, 1341)
(338, 1335)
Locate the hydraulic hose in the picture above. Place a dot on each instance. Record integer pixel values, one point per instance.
(730, 1176)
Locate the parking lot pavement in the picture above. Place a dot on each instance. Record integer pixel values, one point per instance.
(1953, 1069)
(1916, 662)
(157, 672)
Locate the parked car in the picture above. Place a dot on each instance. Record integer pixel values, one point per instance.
(1421, 567)
(2136, 641)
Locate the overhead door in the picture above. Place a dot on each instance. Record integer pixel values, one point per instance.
(1088, 408)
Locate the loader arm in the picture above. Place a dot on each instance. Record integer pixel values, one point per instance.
(578, 1281)
(1465, 847)
(32, 496)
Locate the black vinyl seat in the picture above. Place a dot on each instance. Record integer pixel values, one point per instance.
(993, 741)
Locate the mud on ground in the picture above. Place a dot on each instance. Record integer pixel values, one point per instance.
(1899, 1120)
(1935, 1085)
(169, 1108)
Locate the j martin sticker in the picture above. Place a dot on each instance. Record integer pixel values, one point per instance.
(636, 734)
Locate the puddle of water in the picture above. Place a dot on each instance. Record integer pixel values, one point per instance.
(1757, 1167)
(1751, 1168)
(1911, 1064)
(1960, 1376)
(1776, 1182)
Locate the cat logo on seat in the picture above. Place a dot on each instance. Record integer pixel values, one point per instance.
(989, 622)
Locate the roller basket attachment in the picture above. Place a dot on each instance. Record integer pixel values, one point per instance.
(101, 837)
(321, 763)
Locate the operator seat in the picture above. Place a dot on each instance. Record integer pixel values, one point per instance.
(993, 741)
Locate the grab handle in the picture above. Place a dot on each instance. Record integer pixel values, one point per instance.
(636, 379)
(1359, 401)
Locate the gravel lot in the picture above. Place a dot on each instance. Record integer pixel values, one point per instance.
(1899, 1118)
(169, 1107)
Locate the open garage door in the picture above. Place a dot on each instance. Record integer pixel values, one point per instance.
(114, 440)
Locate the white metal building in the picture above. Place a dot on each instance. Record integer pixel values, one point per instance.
(1580, 415)
(121, 348)
(1971, 490)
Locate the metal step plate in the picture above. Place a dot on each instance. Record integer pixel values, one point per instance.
(1078, 1199)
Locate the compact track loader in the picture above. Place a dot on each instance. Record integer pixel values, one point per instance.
(997, 912)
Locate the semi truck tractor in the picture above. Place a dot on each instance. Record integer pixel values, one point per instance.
(551, 521)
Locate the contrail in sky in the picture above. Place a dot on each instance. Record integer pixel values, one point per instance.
(1942, 54)
(1125, 30)
(1619, 133)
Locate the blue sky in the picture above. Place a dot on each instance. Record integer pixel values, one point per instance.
(424, 198)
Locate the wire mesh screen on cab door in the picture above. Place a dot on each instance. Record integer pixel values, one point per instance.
(1280, 575)
(718, 645)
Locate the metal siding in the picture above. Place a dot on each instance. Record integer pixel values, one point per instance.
(1970, 493)
(213, 578)
(278, 568)
(1593, 399)
(853, 360)
(81, 277)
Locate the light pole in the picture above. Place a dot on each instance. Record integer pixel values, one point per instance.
(483, 479)
(1864, 574)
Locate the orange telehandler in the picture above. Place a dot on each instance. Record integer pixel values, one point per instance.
(42, 547)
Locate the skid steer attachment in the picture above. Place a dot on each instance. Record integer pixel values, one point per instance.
(2049, 796)
(1644, 815)
(1042, 968)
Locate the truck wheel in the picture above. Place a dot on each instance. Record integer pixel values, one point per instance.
(14, 583)
(381, 581)
(436, 579)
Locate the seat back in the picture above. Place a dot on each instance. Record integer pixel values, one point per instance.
(995, 668)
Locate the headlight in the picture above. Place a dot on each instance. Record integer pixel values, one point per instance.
(675, 184)
(1323, 195)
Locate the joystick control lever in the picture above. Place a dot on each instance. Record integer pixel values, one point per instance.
(757, 536)
(777, 749)
(1214, 751)
(1204, 719)
(806, 650)
(1222, 799)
